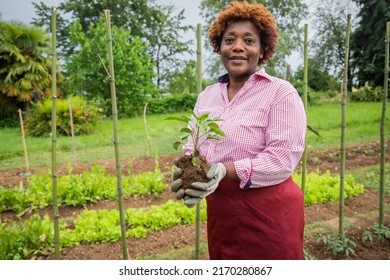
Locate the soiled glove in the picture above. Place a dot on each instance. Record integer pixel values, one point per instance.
(216, 173)
(191, 201)
(177, 183)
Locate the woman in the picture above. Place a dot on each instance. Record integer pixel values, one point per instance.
(254, 208)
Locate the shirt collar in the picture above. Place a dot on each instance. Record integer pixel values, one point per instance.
(259, 74)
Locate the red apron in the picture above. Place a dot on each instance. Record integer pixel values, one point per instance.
(260, 223)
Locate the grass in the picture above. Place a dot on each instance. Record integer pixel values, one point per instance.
(98, 146)
(363, 120)
(363, 123)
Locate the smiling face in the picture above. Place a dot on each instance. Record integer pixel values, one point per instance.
(240, 49)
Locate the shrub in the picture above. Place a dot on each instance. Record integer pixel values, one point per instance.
(311, 98)
(172, 103)
(38, 117)
(366, 93)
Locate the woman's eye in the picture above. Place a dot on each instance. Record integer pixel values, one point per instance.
(229, 40)
(249, 41)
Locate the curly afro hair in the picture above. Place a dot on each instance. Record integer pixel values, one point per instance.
(258, 15)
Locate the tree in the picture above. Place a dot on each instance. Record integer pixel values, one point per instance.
(288, 15)
(320, 79)
(184, 80)
(329, 23)
(43, 20)
(164, 43)
(367, 43)
(133, 68)
(158, 26)
(24, 61)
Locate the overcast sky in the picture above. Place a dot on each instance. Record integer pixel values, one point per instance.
(23, 10)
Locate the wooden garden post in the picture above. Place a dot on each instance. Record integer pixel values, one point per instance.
(382, 128)
(305, 85)
(54, 133)
(24, 142)
(343, 130)
(72, 130)
(116, 140)
(198, 90)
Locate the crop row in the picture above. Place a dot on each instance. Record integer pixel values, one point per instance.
(19, 240)
(78, 189)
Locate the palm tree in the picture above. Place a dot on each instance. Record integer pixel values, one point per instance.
(25, 61)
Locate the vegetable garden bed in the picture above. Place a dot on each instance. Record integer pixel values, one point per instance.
(176, 240)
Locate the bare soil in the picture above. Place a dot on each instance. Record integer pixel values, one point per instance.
(320, 216)
(192, 173)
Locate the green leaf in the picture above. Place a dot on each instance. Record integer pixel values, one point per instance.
(186, 130)
(184, 136)
(215, 128)
(202, 118)
(179, 118)
(215, 137)
(176, 145)
(215, 119)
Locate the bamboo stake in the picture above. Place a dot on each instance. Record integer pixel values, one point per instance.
(146, 130)
(382, 128)
(116, 140)
(198, 89)
(305, 84)
(343, 130)
(54, 134)
(24, 142)
(72, 130)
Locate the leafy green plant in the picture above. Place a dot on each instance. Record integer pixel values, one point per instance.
(78, 189)
(326, 187)
(307, 256)
(367, 94)
(382, 232)
(21, 240)
(85, 117)
(200, 129)
(29, 238)
(338, 245)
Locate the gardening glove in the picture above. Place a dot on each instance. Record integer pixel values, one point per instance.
(177, 183)
(190, 201)
(216, 173)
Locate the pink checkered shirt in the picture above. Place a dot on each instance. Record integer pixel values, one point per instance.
(264, 126)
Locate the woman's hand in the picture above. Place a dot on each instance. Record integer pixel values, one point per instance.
(216, 173)
(177, 184)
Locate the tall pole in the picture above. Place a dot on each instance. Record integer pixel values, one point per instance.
(54, 133)
(72, 130)
(343, 130)
(24, 142)
(115, 140)
(305, 85)
(198, 89)
(382, 128)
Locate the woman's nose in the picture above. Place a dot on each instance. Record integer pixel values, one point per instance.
(238, 46)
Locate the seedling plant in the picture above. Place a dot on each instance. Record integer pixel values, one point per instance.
(200, 129)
